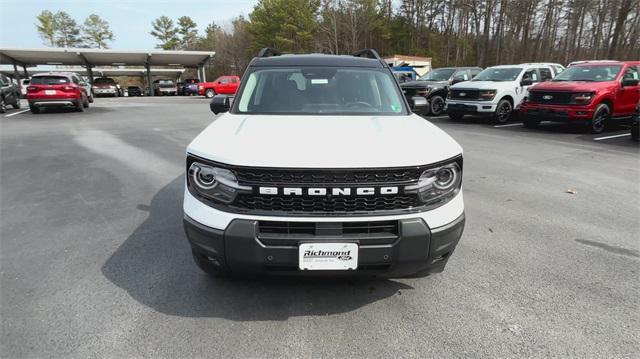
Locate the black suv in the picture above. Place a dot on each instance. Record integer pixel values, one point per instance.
(9, 94)
(434, 85)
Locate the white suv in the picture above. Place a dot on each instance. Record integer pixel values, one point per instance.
(319, 166)
(497, 90)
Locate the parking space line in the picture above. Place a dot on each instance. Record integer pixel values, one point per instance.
(16, 113)
(613, 136)
(508, 125)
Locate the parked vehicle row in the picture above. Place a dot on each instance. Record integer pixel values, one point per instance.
(590, 93)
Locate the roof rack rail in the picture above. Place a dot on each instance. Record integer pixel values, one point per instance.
(268, 52)
(370, 54)
(367, 53)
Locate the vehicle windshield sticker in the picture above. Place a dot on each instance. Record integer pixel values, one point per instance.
(396, 108)
(319, 81)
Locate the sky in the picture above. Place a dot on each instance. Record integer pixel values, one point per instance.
(130, 20)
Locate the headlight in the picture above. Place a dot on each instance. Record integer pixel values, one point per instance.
(582, 98)
(438, 185)
(487, 95)
(218, 184)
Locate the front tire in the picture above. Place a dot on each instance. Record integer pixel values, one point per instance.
(209, 93)
(3, 106)
(503, 112)
(600, 119)
(436, 105)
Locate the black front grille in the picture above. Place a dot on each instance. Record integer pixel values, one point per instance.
(462, 94)
(320, 177)
(556, 98)
(334, 203)
(329, 205)
(273, 233)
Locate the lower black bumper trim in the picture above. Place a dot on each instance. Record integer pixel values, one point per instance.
(418, 249)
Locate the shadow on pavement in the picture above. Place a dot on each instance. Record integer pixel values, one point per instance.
(154, 266)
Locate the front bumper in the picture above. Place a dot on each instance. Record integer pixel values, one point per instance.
(239, 249)
(104, 91)
(556, 113)
(470, 107)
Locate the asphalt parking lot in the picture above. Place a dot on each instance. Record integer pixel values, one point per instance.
(94, 262)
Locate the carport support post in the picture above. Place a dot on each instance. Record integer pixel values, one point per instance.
(16, 73)
(26, 73)
(90, 73)
(201, 73)
(149, 79)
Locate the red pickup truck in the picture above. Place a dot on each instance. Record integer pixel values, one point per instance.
(592, 93)
(223, 85)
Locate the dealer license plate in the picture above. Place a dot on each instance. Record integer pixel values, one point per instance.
(49, 92)
(328, 256)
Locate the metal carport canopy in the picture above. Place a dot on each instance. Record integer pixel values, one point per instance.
(106, 72)
(103, 57)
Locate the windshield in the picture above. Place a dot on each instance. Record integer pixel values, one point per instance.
(49, 80)
(104, 81)
(320, 90)
(589, 73)
(438, 75)
(498, 74)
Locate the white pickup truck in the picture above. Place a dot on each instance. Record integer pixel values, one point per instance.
(497, 91)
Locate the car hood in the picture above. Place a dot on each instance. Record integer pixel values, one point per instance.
(323, 141)
(424, 84)
(482, 85)
(569, 86)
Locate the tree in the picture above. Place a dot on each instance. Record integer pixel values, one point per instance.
(165, 31)
(188, 31)
(288, 25)
(96, 32)
(67, 31)
(46, 27)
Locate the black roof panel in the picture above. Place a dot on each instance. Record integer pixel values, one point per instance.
(316, 60)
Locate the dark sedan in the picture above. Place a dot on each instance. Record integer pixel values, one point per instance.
(134, 91)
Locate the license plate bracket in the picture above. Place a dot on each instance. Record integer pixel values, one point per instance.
(328, 256)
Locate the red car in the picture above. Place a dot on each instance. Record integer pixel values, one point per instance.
(592, 93)
(223, 85)
(57, 89)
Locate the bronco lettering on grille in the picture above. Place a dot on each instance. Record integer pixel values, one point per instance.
(321, 191)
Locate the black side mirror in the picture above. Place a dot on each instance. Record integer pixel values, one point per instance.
(220, 103)
(630, 82)
(526, 82)
(418, 103)
(456, 80)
